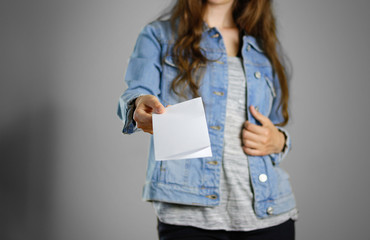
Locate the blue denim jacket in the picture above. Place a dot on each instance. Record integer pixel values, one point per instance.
(196, 181)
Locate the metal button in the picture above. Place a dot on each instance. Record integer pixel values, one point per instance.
(213, 162)
(270, 210)
(262, 177)
(248, 47)
(216, 35)
(218, 93)
(220, 62)
(212, 196)
(257, 108)
(257, 75)
(215, 127)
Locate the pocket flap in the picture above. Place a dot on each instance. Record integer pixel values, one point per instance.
(169, 61)
(271, 86)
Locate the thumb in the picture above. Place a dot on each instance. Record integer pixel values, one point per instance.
(259, 116)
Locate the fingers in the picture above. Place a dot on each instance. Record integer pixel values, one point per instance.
(145, 106)
(254, 128)
(247, 135)
(261, 118)
(255, 139)
(155, 104)
(250, 144)
(254, 152)
(143, 120)
(142, 116)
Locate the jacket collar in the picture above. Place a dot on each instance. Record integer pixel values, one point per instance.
(248, 38)
(253, 42)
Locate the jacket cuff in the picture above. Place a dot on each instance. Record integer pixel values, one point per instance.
(127, 110)
(278, 157)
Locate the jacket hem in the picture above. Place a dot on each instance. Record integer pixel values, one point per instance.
(179, 194)
(271, 207)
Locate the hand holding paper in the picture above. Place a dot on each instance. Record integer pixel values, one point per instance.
(181, 132)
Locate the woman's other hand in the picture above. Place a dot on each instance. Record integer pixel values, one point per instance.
(145, 106)
(261, 140)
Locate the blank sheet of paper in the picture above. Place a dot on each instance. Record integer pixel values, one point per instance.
(181, 132)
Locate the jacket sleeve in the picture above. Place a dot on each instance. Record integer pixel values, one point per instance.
(276, 117)
(142, 76)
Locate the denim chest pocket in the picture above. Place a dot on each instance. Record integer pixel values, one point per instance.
(169, 73)
(170, 62)
(271, 94)
(260, 74)
(262, 89)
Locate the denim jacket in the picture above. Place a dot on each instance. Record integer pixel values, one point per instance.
(196, 181)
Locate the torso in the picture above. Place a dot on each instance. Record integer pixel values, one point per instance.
(196, 181)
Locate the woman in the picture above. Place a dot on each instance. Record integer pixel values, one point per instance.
(225, 52)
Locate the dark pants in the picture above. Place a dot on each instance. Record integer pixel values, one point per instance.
(284, 231)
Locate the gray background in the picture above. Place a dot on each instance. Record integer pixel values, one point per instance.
(66, 170)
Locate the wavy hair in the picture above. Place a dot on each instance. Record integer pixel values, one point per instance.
(255, 17)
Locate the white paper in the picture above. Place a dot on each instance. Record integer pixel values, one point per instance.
(181, 132)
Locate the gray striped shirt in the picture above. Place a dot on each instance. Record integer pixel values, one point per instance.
(235, 211)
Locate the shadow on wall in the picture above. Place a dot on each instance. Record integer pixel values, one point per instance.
(26, 172)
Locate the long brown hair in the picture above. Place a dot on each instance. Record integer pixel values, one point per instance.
(254, 16)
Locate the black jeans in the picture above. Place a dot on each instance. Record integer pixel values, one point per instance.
(284, 231)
